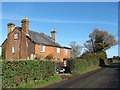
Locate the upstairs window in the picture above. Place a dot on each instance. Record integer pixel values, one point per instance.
(42, 48)
(58, 50)
(65, 52)
(13, 50)
(16, 36)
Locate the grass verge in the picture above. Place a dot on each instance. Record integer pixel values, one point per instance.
(43, 82)
(85, 70)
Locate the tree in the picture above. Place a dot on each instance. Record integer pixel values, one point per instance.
(100, 41)
(75, 49)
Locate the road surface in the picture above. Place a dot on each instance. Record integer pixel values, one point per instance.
(102, 78)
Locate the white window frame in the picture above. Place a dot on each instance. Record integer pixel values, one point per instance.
(58, 50)
(16, 36)
(65, 52)
(13, 50)
(43, 48)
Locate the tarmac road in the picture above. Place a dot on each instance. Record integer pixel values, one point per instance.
(107, 77)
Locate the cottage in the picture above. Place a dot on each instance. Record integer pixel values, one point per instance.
(22, 43)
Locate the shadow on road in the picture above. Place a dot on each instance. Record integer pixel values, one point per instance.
(117, 68)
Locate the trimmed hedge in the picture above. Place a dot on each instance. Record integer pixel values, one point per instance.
(3, 53)
(17, 73)
(87, 61)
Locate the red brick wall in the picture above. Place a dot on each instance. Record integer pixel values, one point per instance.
(24, 47)
(10, 43)
(51, 50)
(31, 47)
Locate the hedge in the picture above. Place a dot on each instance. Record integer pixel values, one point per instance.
(17, 73)
(87, 61)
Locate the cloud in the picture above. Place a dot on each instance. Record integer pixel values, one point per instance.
(74, 21)
(17, 17)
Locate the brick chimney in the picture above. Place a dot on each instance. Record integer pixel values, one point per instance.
(24, 43)
(53, 34)
(25, 25)
(10, 27)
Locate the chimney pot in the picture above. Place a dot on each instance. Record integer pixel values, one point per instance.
(25, 25)
(53, 34)
(10, 27)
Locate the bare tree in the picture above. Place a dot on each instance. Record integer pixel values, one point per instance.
(75, 49)
(100, 41)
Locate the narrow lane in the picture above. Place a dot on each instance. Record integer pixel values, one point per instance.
(108, 77)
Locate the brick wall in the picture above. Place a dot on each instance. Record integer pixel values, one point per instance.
(12, 42)
(24, 47)
(51, 50)
(31, 47)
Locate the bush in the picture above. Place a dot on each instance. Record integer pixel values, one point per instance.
(86, 61)
(3, 53)
(17, 73)
(49, 57)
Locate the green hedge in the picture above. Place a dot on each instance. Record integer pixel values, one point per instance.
(3, 56)
(87, 61)
(80, 65)
(17, 73)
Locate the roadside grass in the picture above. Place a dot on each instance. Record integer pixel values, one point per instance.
(85, 70)
(116, 61)
(42, 83)
(54, 79)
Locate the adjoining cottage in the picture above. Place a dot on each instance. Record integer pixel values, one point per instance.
(22, 43)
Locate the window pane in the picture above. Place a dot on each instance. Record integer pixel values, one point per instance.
(58, 50)
(65, 51)
(13, 49)
(16, 35)
(42, 48)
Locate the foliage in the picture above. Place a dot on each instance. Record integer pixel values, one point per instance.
(49, 57)
(3, 53)
(116, 57)
(75, 49)
(39, 56)
(100, 41)
(86, 61)
(17, 73)
(42, 83)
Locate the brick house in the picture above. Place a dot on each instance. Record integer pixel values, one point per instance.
(22, 43)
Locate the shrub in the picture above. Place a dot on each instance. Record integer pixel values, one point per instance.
(49, 57)
(3, 53)
(17, 73)
(86, 61)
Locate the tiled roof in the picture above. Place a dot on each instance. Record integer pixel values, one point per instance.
(42, 39)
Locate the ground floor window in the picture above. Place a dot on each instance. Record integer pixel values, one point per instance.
(58, 59)
(13, 49)
(42, 48)
(58, 50)
(65, 52)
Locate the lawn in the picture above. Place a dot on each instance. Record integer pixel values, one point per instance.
(42, 83)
